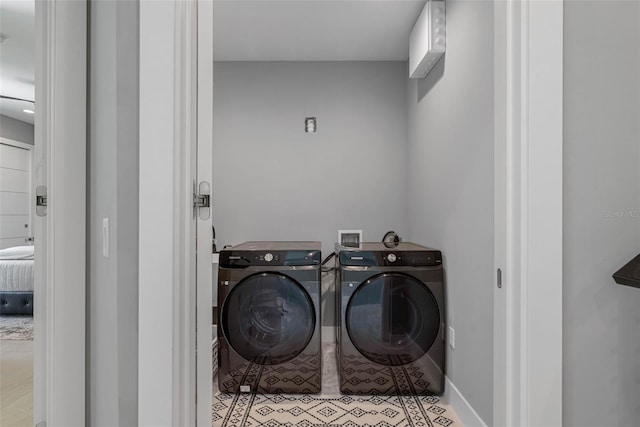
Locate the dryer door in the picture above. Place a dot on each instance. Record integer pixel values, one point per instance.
(268, 318)
(392, 319)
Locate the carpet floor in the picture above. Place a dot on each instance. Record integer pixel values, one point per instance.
(329, 408)
(16, 328)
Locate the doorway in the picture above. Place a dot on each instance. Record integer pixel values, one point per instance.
(174, 368)
(17, 208)
(389, 152)
(16, 281)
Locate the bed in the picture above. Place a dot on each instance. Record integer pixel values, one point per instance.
(16, 280)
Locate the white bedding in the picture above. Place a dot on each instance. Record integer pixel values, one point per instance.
(16, 275)
(16, 269)
(17, 252)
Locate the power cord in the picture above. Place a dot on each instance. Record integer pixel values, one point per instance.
(326, 260)
(391, 239)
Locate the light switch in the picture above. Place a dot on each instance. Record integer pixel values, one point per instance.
(105, 237)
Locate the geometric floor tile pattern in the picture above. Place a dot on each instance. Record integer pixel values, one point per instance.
(329, 408)
(252, 410)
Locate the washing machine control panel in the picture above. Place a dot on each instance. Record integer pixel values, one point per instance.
(391, 257)
(243, 259)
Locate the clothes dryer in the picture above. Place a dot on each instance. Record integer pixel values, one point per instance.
(269, 326)
(390, 300)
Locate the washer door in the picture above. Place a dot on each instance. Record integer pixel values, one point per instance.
(392, 319)
(268, 318)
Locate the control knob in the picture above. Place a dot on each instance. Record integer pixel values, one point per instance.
(391, 257)
(268, 257)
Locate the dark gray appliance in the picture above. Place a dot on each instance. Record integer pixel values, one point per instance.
(391, 319)
(629, 274)
(269, 326)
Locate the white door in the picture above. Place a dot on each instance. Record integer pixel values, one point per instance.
(60, 235)
(15, 194)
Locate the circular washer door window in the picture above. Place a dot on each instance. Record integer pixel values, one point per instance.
(392, 319)
(268, 318)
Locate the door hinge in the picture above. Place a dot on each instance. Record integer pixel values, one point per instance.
(41, 200)
(201, 201)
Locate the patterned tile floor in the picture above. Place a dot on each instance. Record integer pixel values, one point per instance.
(329, 408)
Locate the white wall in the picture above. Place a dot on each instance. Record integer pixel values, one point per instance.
(113, 193)
(16, 130)
(450, 158)
(601, 326)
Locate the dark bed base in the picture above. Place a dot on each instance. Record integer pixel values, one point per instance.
(16, 302)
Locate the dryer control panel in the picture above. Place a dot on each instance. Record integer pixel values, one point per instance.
(391, 259)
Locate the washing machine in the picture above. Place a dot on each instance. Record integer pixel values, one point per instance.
(390, 308)
(269, 325)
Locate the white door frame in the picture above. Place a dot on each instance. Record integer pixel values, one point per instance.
(60, 164)
(528, 60)
(167, 315)
(204, 258)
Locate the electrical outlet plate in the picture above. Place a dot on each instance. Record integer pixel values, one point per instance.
(350, 238)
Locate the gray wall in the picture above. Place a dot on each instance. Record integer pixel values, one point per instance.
(273, 181)
(601, 324)
(16, 129)
(450, 160)
(112, 317)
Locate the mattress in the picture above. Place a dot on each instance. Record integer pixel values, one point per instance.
(16, 269)
(16, 275)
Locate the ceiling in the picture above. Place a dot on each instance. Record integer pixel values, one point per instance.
(17, 53)
(313, 30)
(244, 30)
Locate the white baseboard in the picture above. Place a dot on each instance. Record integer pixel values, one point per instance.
(462, 408)
(328, 334)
